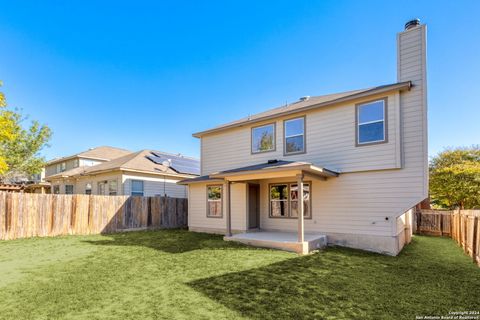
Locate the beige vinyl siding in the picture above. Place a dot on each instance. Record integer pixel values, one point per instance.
(197, 209)
(411, 66)
(239, 206)
(197, 212)
(69, 164)
(354, 203)
(330, 142)
(52, 169)
(154, 185)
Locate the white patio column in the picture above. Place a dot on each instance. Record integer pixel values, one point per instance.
(228, 209)
(301, 236)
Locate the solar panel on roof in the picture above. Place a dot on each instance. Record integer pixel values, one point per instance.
(177, 163)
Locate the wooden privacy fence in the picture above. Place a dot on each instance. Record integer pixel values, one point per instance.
(461, 225)
(24, 215)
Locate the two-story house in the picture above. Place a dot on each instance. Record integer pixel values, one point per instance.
(357, 160)
(113, 171)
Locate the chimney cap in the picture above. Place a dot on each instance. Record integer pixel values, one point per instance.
(412, 24)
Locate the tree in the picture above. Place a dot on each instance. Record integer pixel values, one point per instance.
(20, 147)
(455, 178)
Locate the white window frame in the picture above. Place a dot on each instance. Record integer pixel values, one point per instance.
(274, 132)
(285, 137)
(358, 123)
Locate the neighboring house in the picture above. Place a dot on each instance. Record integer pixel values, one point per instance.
(87, 158)
(142, 173)
(360, 158)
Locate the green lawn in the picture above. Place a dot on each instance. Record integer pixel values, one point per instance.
(181, 275)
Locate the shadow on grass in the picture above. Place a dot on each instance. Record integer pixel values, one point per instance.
(351, 284)
(166, 240)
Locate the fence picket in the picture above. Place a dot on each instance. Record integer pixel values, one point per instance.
(24, 215)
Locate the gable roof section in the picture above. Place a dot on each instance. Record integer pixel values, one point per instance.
(134, 161)
(311, 103)
(104, 153)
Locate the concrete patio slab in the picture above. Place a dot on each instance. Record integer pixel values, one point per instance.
(281, 240)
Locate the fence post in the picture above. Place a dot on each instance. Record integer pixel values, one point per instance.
(474, 239)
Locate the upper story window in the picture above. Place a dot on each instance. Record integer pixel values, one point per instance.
(214, 201)
(63, 167)
(294, 130)
(137, 188)
(75, 163)
(371, 122)
(263, 138)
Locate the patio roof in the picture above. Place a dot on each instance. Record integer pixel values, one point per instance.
(266, 170)
(274, 169)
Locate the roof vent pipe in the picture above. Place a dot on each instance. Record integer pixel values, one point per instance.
(412, 24)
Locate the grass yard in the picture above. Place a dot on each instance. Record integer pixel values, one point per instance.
(181, 275)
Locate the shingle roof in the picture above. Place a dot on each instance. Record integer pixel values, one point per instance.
(272, 164)
(310, 103)
(100, 153)
(136, 161)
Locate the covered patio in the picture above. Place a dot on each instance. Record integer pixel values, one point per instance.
(299, 241)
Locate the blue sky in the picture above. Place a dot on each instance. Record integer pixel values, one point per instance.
(146, 75)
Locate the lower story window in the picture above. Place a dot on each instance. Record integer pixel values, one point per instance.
(69, 189)
(214, 201)
(112, 187)
(101, 188)
(279, 200)
(284, 200)
(56, 189)
(88, 188)
(137, 188)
